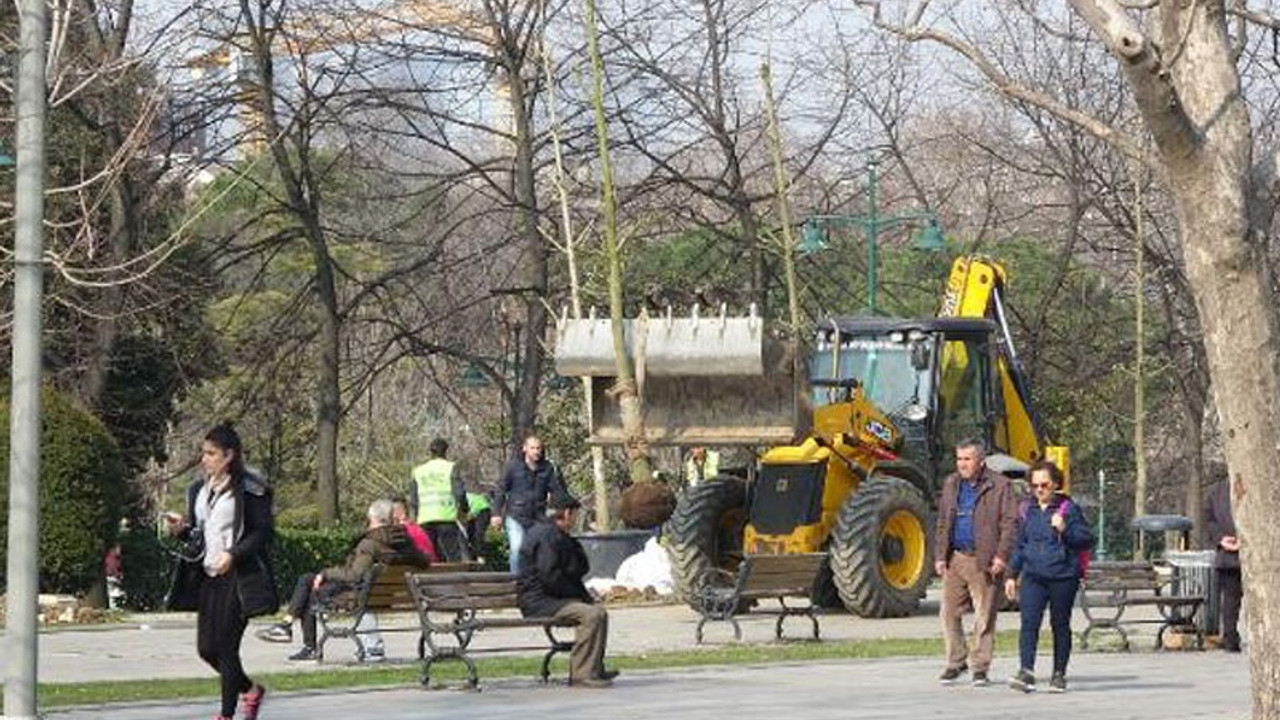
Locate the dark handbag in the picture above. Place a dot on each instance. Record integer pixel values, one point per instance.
(256, 588)
(186, 576)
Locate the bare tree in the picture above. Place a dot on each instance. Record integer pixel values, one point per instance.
(1180, 61)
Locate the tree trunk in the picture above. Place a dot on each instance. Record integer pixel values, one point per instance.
(533, 266)
(635, 443)
(599, 484)
(1197, 116)
(303, 204)
(1236, 306)
(328, 393)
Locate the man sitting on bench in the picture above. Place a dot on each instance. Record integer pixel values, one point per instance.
(384, 541)
(552, 565)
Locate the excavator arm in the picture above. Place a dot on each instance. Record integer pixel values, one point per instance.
(975, 288)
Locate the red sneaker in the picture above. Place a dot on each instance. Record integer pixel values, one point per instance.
(251, 702)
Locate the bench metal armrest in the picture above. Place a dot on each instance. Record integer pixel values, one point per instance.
(717, 593)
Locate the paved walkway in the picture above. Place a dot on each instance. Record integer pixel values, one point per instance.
(1143, 686)
(164, 646)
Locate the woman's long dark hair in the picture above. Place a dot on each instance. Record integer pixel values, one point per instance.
(225, 437)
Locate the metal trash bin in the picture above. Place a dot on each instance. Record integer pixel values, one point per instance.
(1160, 532)
(606, 551)
(1193, 574)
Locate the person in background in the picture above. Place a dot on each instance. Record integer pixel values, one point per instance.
(373, 648)
(702, 465)
(230, 509)
(973, 541)
(552, 566)
(1221, 528)
(478, 520)
(438, 502)
(383, 541)
(401, 516)
(1046, 570)
(527, 481)
(113, 570)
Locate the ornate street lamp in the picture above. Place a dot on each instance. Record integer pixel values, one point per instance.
(871, 223)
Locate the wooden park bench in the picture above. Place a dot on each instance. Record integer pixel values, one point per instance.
(722, 595)
(382, 589)
(1113, 587)
(454, 607)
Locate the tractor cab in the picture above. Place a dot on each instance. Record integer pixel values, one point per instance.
(932, 378)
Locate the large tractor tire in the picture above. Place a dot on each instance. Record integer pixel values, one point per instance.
(880, 551)
(705, 532)
(824, 593)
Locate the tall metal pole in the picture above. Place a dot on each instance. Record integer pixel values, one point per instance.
(1139, 338)
(1102, 514)
(873, 231)
(23, 575)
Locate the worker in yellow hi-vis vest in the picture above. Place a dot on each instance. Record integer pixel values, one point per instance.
(702, 465)
(438, 502)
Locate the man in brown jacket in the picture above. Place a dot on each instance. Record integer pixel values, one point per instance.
(977, 518)
(383, 541)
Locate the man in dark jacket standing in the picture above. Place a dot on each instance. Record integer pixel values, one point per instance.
(973, 542)
(1221, 529)
(526, 483)
(552, 566)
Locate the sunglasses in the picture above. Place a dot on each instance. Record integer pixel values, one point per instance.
(1042, 486)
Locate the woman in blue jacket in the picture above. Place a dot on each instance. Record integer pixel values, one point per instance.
(1045, 570)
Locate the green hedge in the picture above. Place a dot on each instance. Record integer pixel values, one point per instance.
(82, 491)
(305, 551)
(144, 567)
(147, 560)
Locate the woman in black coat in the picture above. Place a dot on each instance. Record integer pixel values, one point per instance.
(229, 519)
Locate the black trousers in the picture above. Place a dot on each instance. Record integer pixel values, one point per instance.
(300, 604)
(1230, 592)
(449, 541)
(477, 526)
(219, 629)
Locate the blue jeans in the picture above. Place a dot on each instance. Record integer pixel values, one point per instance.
(515, 537)
(1059, 595)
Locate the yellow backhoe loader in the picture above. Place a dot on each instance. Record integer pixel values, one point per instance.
(859, 447)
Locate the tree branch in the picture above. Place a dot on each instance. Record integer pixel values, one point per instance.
(1149, 77)
(1006, 85)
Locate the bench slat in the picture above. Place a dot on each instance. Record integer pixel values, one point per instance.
(780, 582)
(446, 578)
(491, 602)
(472, 589)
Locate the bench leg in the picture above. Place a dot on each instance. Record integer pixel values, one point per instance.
(473, 678)
(737, 629)
(1108, 625)
(557, 647)
(793, 612)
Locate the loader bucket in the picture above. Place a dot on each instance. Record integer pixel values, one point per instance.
(669, 346)
(703, 381)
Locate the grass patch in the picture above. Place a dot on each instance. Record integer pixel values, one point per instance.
(60, 695)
